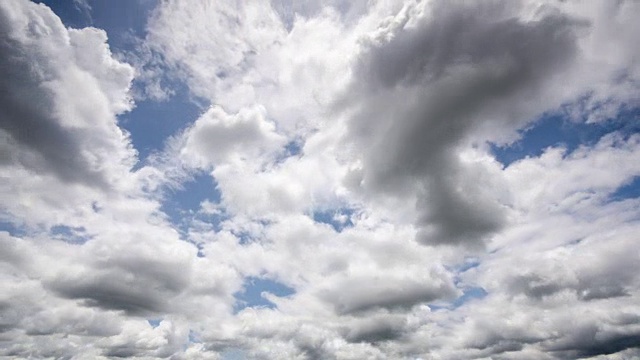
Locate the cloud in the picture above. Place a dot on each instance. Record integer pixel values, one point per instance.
(564, 260)
(376, 329)
(380, 114)
(216, 137)
(68, 165)
(425, 84)
(208, 61)
(360, 293)
(60, 133)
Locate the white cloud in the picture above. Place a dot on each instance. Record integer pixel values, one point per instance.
(557, 181)
(374, 114)
(218, 138)
(61, 93)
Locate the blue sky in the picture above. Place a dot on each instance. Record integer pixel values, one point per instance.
(319, 179)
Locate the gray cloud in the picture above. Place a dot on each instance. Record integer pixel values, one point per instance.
(607, 277)
(534, 286)
(33, 124)
(376, 329)
(48, 130)
(429, 84)
(593, 341)
(111, 294)
(358, 294)
(427, 89)
(137, 286)
(537, 287)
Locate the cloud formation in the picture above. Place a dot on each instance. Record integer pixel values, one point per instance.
(60, 133)
(344, 151)
(438, 78)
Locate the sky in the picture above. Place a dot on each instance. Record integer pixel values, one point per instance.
(321, 179)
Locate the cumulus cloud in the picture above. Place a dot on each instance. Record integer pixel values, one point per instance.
(426, 82)
(61, 134)
(358, 293)
(216, 137)
(348, 152)
(61, 93)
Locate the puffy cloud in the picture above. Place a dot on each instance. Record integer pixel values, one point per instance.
(425, 83)
(587, 175)
(563, 267)
(357, 293)
(83, 231)
(217, 137)
(61, 144)
(347, 142)
(182, 32)
(74, 138)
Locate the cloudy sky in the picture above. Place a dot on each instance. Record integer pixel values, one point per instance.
(321, 179)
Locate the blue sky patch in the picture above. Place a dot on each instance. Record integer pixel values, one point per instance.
(339, 219)
(243, 237)
(166, 118)
(125, 21)
(469, 293)
(72, 14)
(630, 190)
(293, 148)
(69, 234)
(154, 322)
(557, 130)
(251, 295)
(119, 18)
(181, 204)
(12, 229)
